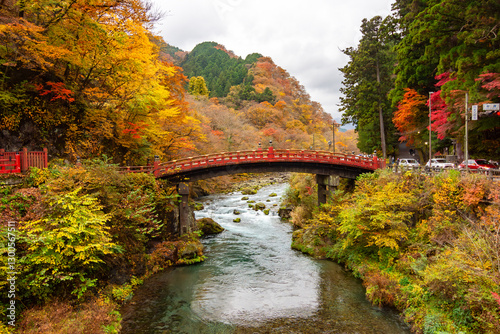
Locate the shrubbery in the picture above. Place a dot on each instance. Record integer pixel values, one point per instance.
(429, 246)
(83, 233)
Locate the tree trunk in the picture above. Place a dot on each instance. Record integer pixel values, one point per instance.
(381, 115)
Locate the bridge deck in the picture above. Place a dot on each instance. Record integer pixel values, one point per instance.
(170, 169)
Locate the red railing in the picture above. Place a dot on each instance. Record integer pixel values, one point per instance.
(27, 159)
(10, 164)
(271, 155)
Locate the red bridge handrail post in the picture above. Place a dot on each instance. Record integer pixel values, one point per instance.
(24, 162)
(45, 157)
(270, 152)
(17, 168)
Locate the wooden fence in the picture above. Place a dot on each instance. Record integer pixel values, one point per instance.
(18, 162)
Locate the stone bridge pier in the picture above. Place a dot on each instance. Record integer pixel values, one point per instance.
(326, 184)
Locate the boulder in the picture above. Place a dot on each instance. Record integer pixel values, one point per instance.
(259, 206)
(209, 226)
(284, 212)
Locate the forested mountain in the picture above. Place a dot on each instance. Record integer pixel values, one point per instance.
(447, 47)
(264, 103)
(220, 68)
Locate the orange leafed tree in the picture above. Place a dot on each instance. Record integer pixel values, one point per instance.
(409, 115)
(96, 73)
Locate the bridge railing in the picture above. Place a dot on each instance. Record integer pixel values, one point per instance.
(255, 156)
(10, 164)
(27, 159)
(493, 174)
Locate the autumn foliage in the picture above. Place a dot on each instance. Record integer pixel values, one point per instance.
(103, 91)
(111, 90)
(408, 115)
(428, 246)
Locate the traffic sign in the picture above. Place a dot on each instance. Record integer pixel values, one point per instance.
(474, 112)
(491, 106)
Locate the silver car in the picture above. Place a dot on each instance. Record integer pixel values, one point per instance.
(408, 163)
(439, 163)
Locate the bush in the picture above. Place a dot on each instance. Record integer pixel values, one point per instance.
(64, 248)
(429, 246)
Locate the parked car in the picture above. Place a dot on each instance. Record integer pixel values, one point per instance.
(408, 163)
(477, 164)
(439, 163)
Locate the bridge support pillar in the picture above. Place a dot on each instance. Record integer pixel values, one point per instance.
(183, 190)
(326, 184)
(322, 181)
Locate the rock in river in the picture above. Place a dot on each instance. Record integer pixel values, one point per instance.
(209, 226)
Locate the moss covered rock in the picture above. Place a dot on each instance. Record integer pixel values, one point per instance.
(198, 206)
(248, 191)
(190, 252)
(259, 206)
(209, 226)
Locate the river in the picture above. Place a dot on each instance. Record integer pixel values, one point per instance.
(253, 282)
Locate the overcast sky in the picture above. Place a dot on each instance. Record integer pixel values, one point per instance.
(302, 37)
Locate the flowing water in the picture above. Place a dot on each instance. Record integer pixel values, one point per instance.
(253, 282)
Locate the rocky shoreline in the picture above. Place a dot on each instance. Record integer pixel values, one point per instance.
(260, 180)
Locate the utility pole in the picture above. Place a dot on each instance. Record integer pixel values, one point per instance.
(430, 131)
(334, 125)
(466, 131)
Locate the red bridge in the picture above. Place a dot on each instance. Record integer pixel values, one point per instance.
(259, 161)
(322, 163)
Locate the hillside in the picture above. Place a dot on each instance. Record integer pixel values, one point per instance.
(252, 98)
(119, 90)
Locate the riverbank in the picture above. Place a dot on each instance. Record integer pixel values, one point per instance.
(135, 214)
(85, 238)
(240, 182)
(428, 246)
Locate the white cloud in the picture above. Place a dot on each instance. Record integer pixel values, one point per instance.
(303, 37)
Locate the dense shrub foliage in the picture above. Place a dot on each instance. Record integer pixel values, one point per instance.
(85, 237)
(428, 246)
